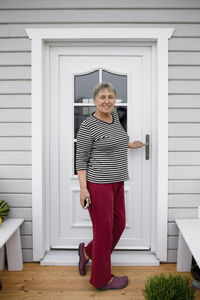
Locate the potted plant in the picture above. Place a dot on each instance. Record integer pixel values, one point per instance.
(4, 210)
(171, 287)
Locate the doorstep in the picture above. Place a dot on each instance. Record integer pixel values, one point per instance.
(118, 258)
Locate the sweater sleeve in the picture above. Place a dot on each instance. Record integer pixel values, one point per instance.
(84, 146)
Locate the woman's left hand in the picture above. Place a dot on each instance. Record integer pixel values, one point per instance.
(136, 144)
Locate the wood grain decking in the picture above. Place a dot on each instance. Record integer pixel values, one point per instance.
(62, 283)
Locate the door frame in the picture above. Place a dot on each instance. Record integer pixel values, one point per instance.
(41, 39)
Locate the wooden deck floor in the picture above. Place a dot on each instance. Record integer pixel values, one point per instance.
(61, 283)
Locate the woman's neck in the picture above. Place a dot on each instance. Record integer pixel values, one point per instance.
(104, 117)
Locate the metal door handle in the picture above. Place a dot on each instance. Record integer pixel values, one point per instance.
(147, 146)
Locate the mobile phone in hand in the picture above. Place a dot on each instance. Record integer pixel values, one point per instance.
(86, 203)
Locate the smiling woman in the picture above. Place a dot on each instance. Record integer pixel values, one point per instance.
(102, 167)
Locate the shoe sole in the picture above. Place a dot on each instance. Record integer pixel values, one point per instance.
(112, 288)
(80, 261)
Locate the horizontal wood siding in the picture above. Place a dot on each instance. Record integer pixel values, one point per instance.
(184, 94)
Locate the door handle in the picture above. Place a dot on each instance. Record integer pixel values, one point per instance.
(147, 146)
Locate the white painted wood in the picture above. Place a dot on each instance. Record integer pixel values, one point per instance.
(15, 87)
(15, 44)
(18, 200)
(172, 242)
(98, 4)
(181, 101)
(14, 252)
(118, 258)
(18, 30)
(15, 59)
(15, 115)
(2, 258)
(161, 36)
(26, 229)
(178, 213)
(15, 101)
(15, 172)
(189, 231)
(184, 158)
(184, 130)
(15, 129)
(15, 158)
(27, 241)
(17, 212)
(184, 115)
(184, 172)
(184, 58)
(8, 228)
(15, 143)
(94, 15)
(27, 255)
(15, 186)
(184, 186)
(184, 258)
(184, 87)
(172, 229)
(184, 44)
(187, 200)
(172, 256)
(66, 230)
(184, 144)
(15, 72)
(184, 72)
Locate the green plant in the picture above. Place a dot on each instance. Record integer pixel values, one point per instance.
(4, 210)
(171, 287)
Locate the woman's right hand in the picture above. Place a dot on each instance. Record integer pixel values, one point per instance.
(84, 194)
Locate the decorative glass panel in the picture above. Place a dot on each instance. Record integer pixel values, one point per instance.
(84, 85)
(122, 113)
(80, 114)
(120, 84)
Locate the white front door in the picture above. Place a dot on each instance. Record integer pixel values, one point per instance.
(74, 71)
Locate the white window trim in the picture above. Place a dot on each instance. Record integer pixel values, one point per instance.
(41, 35)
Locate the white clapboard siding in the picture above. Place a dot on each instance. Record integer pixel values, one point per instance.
(172, 228)
(10, 72)
(184, 101)
(5, 4)
(182, 213)
(187, 200)
(184, 144)
(184, 58)
(184, 158)
(15, 129)
(184, 72)
(27, 255)
(184, 129)
(17, 200)
(100, 15)
(15, 59)
(15, 115)
(26, 228)
(15, 143)
(17, 30)
(25, 213)
(15, 101)
(184, 187)
(183, 44)
(15, 186)
(15, 158)
(27, 242)
(184, 94)
(184, 87)
(15, 87)
(183, 172)
(15, 172)
(18, 44)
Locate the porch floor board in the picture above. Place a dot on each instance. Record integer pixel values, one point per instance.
(64, 282)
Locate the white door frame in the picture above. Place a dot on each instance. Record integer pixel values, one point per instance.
(39, 37)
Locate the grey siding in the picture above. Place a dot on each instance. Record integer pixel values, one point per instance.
(184, 94)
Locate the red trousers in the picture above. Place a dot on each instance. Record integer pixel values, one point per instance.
(107, 212)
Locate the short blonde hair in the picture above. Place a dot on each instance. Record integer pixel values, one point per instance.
(101, 86)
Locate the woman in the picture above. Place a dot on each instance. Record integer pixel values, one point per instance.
(101, 163)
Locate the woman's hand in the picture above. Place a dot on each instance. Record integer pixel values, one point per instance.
(136, 144)
(84, 194)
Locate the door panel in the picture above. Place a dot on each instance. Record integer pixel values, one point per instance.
(74, 73)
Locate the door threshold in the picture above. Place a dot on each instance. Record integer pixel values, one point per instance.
(118, 258)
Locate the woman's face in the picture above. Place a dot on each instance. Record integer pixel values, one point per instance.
(105, 101)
